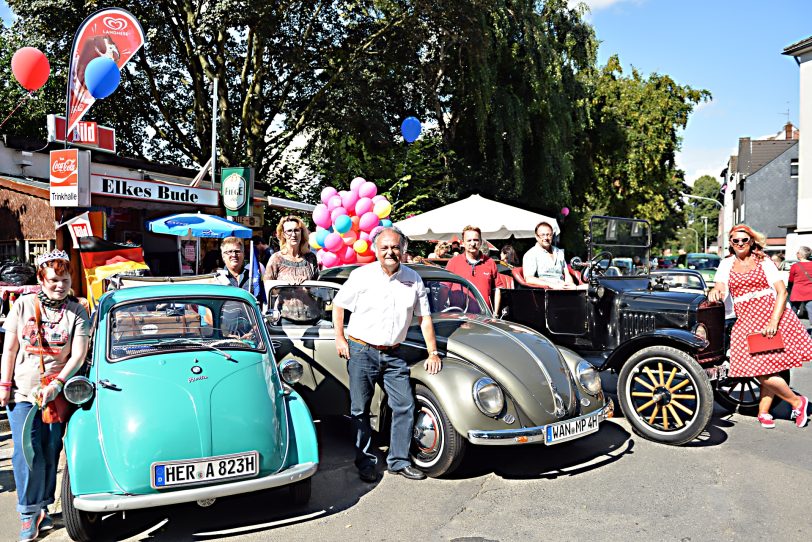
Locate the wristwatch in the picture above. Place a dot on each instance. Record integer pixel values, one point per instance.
(434, 353)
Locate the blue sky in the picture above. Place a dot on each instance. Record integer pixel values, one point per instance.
(729, 47)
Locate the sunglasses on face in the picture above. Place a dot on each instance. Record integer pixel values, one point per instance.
(290, 233)
(232, 252)
(740, 241)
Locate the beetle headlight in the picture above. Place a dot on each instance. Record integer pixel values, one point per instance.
(488, 396)
(291, 371)
(588, 377)
(78, 390)
(701, 331)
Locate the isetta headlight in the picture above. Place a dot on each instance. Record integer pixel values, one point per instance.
(588, 377)
(78, 390)
(291, 371)
(489, 397)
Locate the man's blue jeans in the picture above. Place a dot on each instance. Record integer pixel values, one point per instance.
(35, 487)
(366, 367)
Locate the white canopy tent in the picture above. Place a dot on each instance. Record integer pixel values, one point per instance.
(496, 220)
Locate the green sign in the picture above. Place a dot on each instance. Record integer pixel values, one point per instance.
(237, 189)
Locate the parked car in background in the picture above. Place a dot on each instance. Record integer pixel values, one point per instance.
(680, 280)
(666, 346)
(182, 401)
(501, 383)
(705, 263)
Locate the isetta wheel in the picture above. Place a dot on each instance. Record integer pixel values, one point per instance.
(741, 394)
(81, 526)
(665, 395)
(437, 448)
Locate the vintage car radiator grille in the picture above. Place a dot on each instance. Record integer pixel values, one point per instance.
(635, 323)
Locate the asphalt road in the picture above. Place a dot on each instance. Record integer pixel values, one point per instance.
(737, 482)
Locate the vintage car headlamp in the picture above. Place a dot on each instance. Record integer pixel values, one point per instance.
(78, 390)
(588, 377)
(291, 371)
(701, 331)
(488, 396)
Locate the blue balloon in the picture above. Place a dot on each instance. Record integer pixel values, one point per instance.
(102, 77)
(386, 223)
(343, 224)
(410, 129)
(321, 235)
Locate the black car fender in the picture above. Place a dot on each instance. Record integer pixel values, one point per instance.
(677, 338)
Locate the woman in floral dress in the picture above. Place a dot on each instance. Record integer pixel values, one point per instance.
(760, 298)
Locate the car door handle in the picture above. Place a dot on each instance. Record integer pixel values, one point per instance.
(109, 385)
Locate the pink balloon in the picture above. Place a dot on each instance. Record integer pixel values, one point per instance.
(349, 238)
(356, 183)
(333, 202)
(565, 211)
(327, 193)
(375, 230)
(349, 199)
(364, 236)
(333, 242)
(321, 216)
(348, 255)
(337, 212)
(367, 190)
(368, 221)
(378, 198)
(364, 205)
(365, 258)
(329, 259)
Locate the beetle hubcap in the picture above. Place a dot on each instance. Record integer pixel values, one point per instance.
(663, 395)
(426, 435)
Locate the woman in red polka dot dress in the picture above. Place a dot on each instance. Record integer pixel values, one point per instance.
(759, 299)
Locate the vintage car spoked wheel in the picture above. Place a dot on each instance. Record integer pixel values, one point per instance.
(665, 395)
(741, 394)
(437, 448)
(81, 526)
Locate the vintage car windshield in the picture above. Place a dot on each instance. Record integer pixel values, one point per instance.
(163, 326)
(627, 240)
(454, 296)
(302, 305)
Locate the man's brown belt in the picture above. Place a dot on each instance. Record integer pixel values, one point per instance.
(375, 346)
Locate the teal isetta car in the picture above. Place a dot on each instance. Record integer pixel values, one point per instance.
(182, 402)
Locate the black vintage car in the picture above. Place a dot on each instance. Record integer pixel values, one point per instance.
(667, 346)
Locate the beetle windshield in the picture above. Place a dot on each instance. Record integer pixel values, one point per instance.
(454, 296)
(183, 324)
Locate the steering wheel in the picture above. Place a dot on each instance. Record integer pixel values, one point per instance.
(453, 308)
(595, 262)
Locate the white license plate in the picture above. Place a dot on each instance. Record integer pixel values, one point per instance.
(206, 469)
(571, 429)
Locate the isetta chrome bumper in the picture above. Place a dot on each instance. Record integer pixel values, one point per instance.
(526, 435)
(107, 502)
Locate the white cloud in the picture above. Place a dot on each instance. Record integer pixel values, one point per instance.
(595, 5)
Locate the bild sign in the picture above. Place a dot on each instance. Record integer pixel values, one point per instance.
(237, 188)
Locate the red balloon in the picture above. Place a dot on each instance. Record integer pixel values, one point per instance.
(30, 67)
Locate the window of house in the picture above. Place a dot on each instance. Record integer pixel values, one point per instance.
(34, 248)
(793, 168)
(8, 250)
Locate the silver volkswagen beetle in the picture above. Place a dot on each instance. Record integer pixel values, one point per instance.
(501, 383)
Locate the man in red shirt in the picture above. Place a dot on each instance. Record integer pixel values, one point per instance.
(477, 267)
(800, 278)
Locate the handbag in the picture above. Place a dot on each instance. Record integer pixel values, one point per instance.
(58, 410)
(759, 344)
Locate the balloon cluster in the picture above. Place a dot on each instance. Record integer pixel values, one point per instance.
(346, 221)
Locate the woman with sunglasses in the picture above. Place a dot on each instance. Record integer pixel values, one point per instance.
(759, 298)
(293, 263)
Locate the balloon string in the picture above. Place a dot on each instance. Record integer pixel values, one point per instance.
(19, 104)
(402, 172)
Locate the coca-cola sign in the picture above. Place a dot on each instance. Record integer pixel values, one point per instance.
(70, 178)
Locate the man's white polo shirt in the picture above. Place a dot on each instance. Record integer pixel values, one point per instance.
(382, 306)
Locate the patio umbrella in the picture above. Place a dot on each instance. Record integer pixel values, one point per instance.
(202, 226)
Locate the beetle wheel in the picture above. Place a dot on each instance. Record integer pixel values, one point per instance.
(437, 448)
(665, 395)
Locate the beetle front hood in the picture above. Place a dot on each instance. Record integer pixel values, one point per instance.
(188, 405)
(527, 365)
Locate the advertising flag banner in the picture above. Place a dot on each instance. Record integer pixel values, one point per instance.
(111, 32)
(237, 187)
(78, 226)
(102, 259)
(70, 178)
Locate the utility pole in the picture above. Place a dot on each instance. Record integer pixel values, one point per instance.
(696, 238)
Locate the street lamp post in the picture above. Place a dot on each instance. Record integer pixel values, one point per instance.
(705, 219)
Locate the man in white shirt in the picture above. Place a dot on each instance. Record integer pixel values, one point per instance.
(383, 297)
(544, 264)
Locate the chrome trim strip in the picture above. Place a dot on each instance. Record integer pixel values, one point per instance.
(107, 502)
(509, 437)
